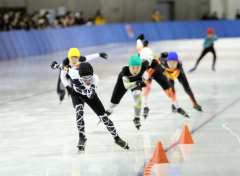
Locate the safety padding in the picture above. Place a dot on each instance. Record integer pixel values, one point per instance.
(18, 44)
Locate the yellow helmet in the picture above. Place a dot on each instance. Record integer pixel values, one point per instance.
(73, 52)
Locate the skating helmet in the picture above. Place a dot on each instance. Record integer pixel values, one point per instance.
(210, 31)
(73, 52)
(172, 56)
(85, 69)
(145, 52)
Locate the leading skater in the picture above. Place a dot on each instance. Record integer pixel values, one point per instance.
(73, 61)
(84, 90)
(208, 47)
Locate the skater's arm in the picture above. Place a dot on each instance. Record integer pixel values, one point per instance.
(92, 91)
(64, 78)
(183, 80)
(94, 56)
(127, 84)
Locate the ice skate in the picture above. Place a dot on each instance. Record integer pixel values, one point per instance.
(193, 69)
(180, 111)
(145, 112)
(121, 143)
(137, 123)
(197, 107)
(81, 145)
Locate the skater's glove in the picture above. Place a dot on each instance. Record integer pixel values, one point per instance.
(140, 83)
(55, 65)
(77, 83)
(141, 37)
(69, 89)
(164, 55)
(91, 92)
(103, 55)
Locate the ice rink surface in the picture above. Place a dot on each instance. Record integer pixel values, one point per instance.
(38, 136)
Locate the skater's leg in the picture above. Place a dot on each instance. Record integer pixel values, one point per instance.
(162, 80)
(164, 83)
(78, 104)
(118, 93)
(214, 58)
(183, 80)
(146, 92)
(96, 105)
(205, 51)
(137, 96)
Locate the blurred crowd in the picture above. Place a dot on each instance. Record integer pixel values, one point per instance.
(214, 16)
(17, 21)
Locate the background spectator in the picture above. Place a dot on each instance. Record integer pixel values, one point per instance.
(214, 16)
(98, 18)
(224, 17)
(156, 16)
(206, 16)
(80, 18)
(238, 14)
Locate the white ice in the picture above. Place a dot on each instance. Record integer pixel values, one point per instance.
(39, 137)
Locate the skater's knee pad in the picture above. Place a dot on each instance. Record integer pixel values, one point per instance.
(137, 96)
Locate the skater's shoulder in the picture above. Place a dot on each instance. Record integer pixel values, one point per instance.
(125, 70)
(65, 61)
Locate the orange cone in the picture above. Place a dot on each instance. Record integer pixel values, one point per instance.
(186, 137)
(159, 155)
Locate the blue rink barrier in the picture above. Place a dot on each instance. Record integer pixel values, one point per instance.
(18, 44)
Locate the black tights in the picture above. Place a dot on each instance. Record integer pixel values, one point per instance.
(96, 105)
(205, 51)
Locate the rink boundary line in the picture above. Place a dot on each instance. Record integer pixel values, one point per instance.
(197, 128)
(204, 123)
(4, 103)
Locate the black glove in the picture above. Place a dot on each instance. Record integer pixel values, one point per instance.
(76, 82)
(140, 83)
(103, 55)
(55, 65)
(69, 89)
(141, 37)
(164, 55)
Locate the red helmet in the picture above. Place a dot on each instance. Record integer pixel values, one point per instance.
(210, 31)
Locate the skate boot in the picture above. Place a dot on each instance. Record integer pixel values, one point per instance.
(121, 143)
(193, 69)
(81, 145)
(137, 122)
(145, 112)
(197, 107)
(180, 111)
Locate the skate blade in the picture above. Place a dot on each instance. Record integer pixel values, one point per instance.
(81, 151)
(145, 117)
(186, 116)
(98, 122)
